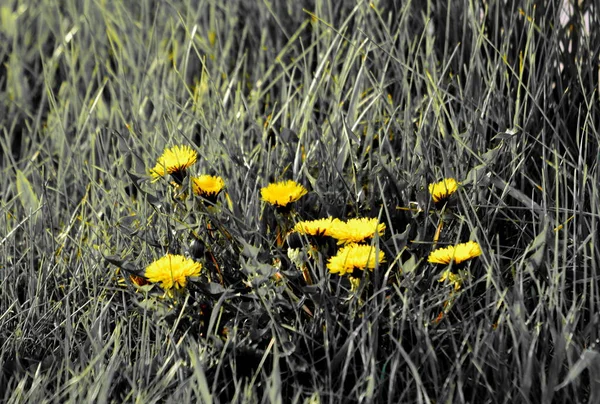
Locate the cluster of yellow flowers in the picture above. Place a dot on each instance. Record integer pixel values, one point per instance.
(173, 270)
(352, 256)
(459, 253)
(175, 161)
(351, 231)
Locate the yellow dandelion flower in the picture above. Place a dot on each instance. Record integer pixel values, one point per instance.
(355, 230)
(174, 161)
(282, 193)
(319, 227)
(442, 190)
(354, 256)
(207, 185)
(458, 253)
(172, 270)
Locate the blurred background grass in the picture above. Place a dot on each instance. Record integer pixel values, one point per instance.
(365, 104)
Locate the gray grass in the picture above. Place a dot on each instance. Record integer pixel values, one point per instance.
(364, 104)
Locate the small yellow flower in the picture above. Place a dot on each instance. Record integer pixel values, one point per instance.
(207, 185)
(319, 227)
(451, 277)
(458, 253)
(172, 270)
(354, 256)
(282, 193)
(442, 190)
(355, 230)
(174, 161)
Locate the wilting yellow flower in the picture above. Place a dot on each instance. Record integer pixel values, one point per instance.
(172, 270)
(355, 230)
(319, 227)
(442, 190)
(174, 161)
(282, 193)
(354, 283)
(207, 185)
(138, 280)
(451, 277)
(354, 256)
(458, 253)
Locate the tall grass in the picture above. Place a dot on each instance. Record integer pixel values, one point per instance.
(365, 104)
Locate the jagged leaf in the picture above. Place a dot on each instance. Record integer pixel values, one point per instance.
(136, 180)
(249, 250)
(121, 263)
(213, 288)
(480, 171)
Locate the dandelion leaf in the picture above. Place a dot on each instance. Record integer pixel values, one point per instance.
(490, 156)
(249, 250)
(159, 310)
(398, 241)
(479, 172)
(410, 265)
(212, 288)
(121, 263)
(136, 180)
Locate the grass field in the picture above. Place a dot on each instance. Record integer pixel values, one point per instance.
(364, 105)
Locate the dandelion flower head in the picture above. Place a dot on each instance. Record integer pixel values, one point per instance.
(174, 161)
(172, 270)
(355, 230)
(458, 253)
(282, 193)
(207, 185)
(354, 256)
(442, 190)
(319, 227)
